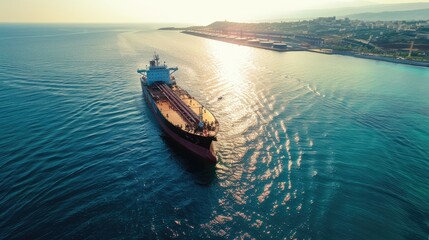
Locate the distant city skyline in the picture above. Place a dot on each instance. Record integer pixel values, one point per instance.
(185, 11)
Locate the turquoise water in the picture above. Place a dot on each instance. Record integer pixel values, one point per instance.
(311, 146)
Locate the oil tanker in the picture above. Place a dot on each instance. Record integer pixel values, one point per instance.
(182, 118)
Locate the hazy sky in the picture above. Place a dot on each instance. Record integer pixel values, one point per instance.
(187, 11)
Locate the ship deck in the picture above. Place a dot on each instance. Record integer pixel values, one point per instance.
(182, 110)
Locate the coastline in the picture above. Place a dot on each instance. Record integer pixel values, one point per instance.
(299, 48)
(382, 58)
(241, 41)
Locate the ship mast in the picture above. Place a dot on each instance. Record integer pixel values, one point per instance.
(156, 58)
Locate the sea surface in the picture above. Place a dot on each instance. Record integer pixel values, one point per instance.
(311, 146)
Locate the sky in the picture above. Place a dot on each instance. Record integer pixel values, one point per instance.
(163, 11)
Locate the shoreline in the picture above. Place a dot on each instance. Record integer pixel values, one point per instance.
(382, 58)
(240, 42)
(295, 48)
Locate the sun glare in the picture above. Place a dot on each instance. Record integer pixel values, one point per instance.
(186, 11)
(232, 61)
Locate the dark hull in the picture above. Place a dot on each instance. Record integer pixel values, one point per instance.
(201, 147)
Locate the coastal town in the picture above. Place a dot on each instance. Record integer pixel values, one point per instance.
(396, 41)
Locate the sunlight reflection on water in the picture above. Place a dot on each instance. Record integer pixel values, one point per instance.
(310, 146)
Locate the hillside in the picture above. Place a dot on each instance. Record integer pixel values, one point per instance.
(351, 11)
(421, 14)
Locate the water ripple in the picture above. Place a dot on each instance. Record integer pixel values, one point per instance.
(305, 150)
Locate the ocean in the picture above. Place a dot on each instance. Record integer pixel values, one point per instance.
(311, 146)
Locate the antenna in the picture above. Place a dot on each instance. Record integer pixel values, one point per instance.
(156, 58)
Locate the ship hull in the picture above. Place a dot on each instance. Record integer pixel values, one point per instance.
(204, 150)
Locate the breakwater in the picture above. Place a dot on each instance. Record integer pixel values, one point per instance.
(382, 58)
(264, 43)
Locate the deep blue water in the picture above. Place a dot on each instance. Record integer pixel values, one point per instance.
(311, 146)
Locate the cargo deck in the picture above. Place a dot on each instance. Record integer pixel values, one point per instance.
(182, 110)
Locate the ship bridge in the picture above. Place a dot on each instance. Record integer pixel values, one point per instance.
(157, 72)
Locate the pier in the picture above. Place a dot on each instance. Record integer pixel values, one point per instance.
(267, 42)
